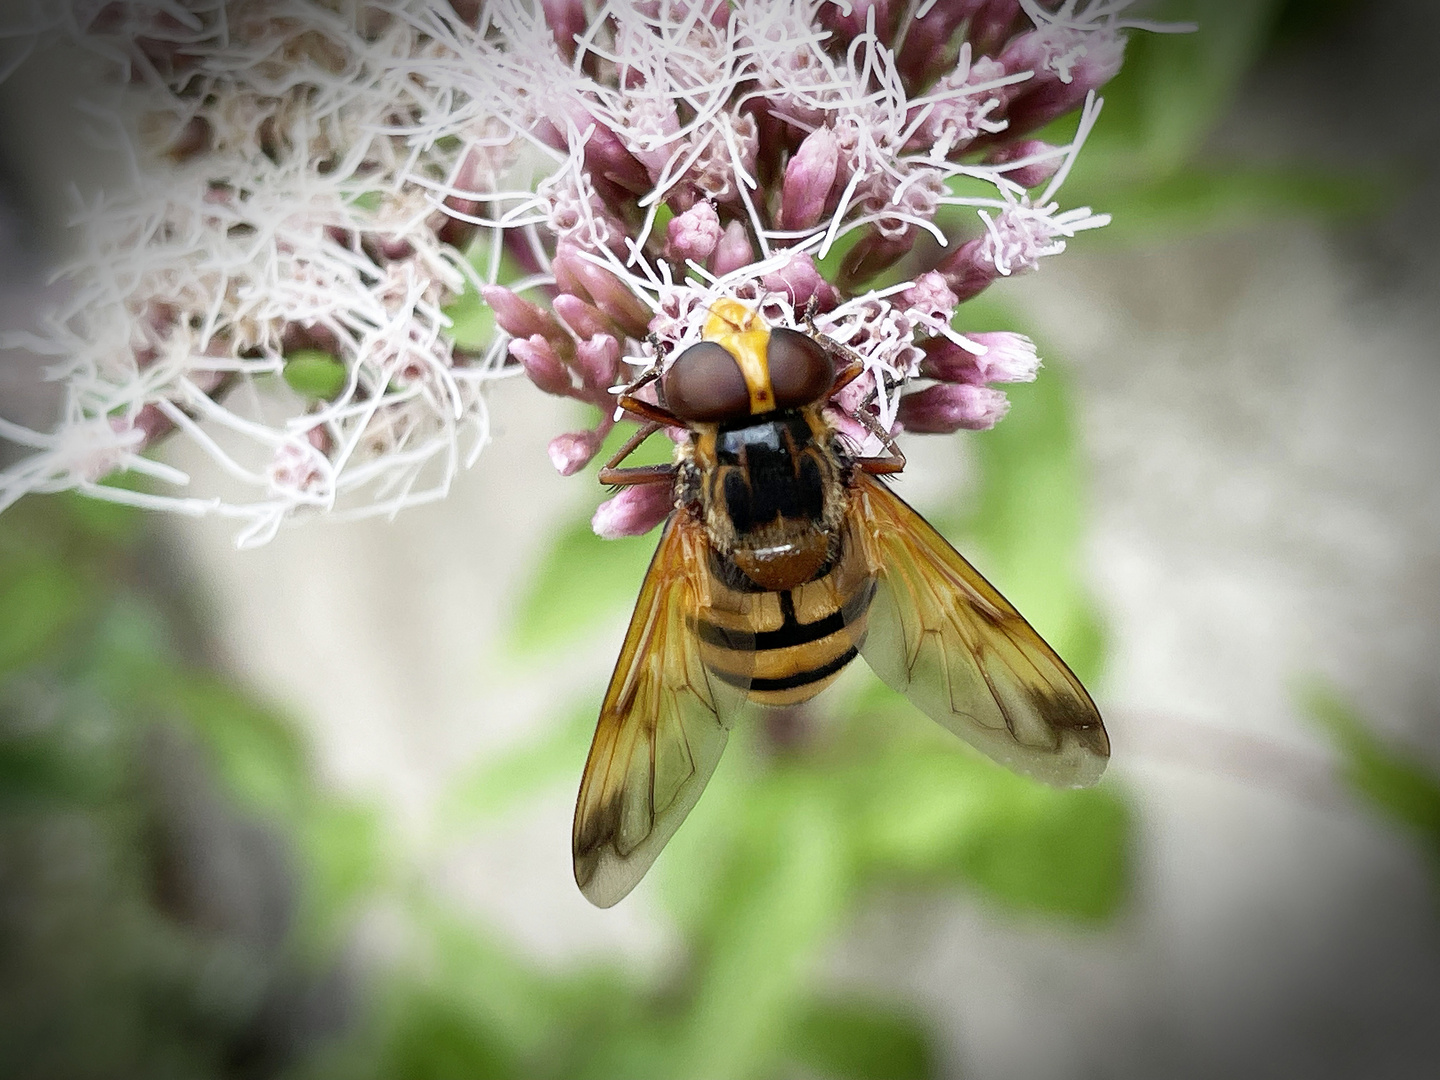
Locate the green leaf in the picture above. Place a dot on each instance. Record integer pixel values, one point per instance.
(1195, 199)
(504, 994)
(786, 886)
(256, 753)
(42, 601)
(1394, 783)
(829, 266)
(35, 771)
(434, 1038)
(315, 373)
(583, 580)
(663, 216)
(609, 1029)
(1028, 518)
(479, 256)
(849, 1041)
(1062, 852)
(1174, 88)
(343, 859)
(473, 322)
(500, 781)
(455, 1003)
(104, 522)
(940, 813)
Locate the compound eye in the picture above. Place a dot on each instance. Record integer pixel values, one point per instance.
(801, 371)
(704, 383)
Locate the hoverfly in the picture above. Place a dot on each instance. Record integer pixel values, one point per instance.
(783, 559)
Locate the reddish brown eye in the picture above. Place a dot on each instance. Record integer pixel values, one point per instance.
(704, 383)
(800, 368)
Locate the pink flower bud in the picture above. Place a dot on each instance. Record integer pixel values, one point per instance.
(607, 157)
(598, 361)
(966, 271)
(585, 319)
(1035, 173)
(565, 266)
(926, 50)
(693, 234)
(733, 251)
(541, 364)
(1007, 358)
(613, 298)
(634, 511)
(799, 280)
(874, 253)
(571, 452)
(519, 317)
(1067, 64)
(931, 297)
(153, 424)
(992, 25)
(320, 439)
(948, 407)
(809, 178)
(390, 248)
(650, 122)
(849, 26)
(951, 363)
(566, 18)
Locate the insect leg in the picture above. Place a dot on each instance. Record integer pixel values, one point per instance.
(853, 369)
(854, 363)
(656, 414)
(639, 474)
(893, 462)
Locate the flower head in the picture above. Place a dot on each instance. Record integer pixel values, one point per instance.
(315, 188)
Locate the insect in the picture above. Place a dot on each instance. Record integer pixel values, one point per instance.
(785, 558)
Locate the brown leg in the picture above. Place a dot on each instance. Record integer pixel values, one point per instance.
(853, 368)
(877, 466)
(654, 413)
(893, 462)
(640, 474)
(846, 375)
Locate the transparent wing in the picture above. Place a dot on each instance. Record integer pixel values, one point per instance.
(662, 727)
(941, 635)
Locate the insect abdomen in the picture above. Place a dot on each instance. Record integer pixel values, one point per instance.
(790, 644)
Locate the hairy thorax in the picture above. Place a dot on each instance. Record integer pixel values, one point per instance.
(771, 495)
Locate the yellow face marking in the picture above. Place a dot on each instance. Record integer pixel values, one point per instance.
(744, 335)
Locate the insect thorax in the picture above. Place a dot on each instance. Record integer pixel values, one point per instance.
(771, 494)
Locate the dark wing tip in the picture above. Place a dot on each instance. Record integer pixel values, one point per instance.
(595, 848)
(1072, 715)
(603, 877)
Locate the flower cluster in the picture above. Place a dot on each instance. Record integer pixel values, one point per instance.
(318, 189)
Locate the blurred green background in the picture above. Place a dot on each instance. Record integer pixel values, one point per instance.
(187, 893)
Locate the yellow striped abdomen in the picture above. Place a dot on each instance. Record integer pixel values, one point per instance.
(788, 645)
